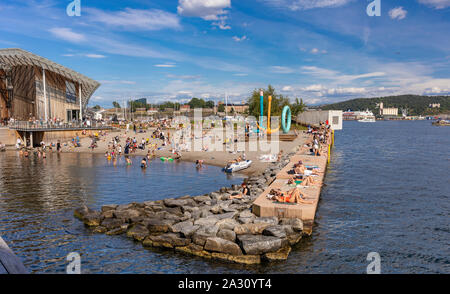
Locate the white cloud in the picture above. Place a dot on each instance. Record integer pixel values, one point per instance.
(88, 55)
(281, 69)
(206, 9)
(341, 91)
(166, 65)
(221, 23)
(240, 75)
(95, 55)
(211, 10)
(295, 5)
(237, 39)
(136, 19)
(438, 4)
(398, 13)
(67, 34)
(314, 51)
(314, 88)
(287, 88)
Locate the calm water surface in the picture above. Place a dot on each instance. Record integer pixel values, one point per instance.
(387, 191)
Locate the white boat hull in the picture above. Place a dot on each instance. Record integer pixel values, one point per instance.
(237, 166)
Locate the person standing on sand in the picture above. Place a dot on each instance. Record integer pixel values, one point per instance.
(58, 146)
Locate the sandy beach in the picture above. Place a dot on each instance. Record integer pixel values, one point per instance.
(216, 158)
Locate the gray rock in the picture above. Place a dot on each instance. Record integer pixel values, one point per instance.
(126, 214)
(276, 231)
(201, 199)
(295, 223)
(247, 229)
(227, 235)
(188, 231)
(169, 240)
(112, 223)
(227, 223)
(246, 213)
(204, 233)
(258, 244)
(155, 225)
(206, 221)
(266, 220)
(174, 210)
(109, 207)
(221, 245)
(223, 215)
(176, 228)
(138, 232)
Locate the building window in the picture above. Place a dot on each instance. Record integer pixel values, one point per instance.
(71, 96)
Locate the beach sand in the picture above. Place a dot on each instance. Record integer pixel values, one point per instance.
(216, 158)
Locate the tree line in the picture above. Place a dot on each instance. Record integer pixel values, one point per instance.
(415, 104)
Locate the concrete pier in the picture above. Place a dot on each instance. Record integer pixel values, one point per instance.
(264, 207)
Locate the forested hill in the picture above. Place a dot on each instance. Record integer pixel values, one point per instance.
(416, 105)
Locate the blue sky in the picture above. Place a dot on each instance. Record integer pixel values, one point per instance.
(320, 50)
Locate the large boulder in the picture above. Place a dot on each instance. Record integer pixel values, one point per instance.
(173, 210)
(155, 225)
(227, 235)
(276, 231)
(281, 254)
(259, 244)
(295, 223)
(109, 207)
(169, 240)
(206, 221)
(127, 214)
(179, 202)
(138, 232)
(221, 245)
(112, 223)
(227, 223)
(178, 227)
(188, 231)
(202, 199)
(266, 220)
(203, 233)
(250, 229)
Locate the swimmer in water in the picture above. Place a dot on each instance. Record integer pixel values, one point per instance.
(144, 163)
(199, 163)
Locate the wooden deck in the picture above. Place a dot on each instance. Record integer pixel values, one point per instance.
(9, 262)
(264, 207)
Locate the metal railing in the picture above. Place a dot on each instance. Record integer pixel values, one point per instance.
(55, 126)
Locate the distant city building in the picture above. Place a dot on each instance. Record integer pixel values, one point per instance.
(435, 105)
(387, 111)
(185, 108)
(238, 108)
(152, 110)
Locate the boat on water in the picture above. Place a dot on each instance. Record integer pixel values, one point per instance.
(237, 166)
(368, 119)
(441, 122)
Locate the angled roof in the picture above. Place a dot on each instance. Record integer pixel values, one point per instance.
(15, 57)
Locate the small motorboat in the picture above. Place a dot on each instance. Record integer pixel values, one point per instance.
(237, 166)
(268, 158)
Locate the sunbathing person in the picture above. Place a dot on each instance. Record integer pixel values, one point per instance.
(245, 192)
(291, 196)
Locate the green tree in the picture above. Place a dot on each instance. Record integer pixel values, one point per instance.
(197, 103)
(221, 108)
(278, 102)
(297, 107)
(209, 104)
(116, 104)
